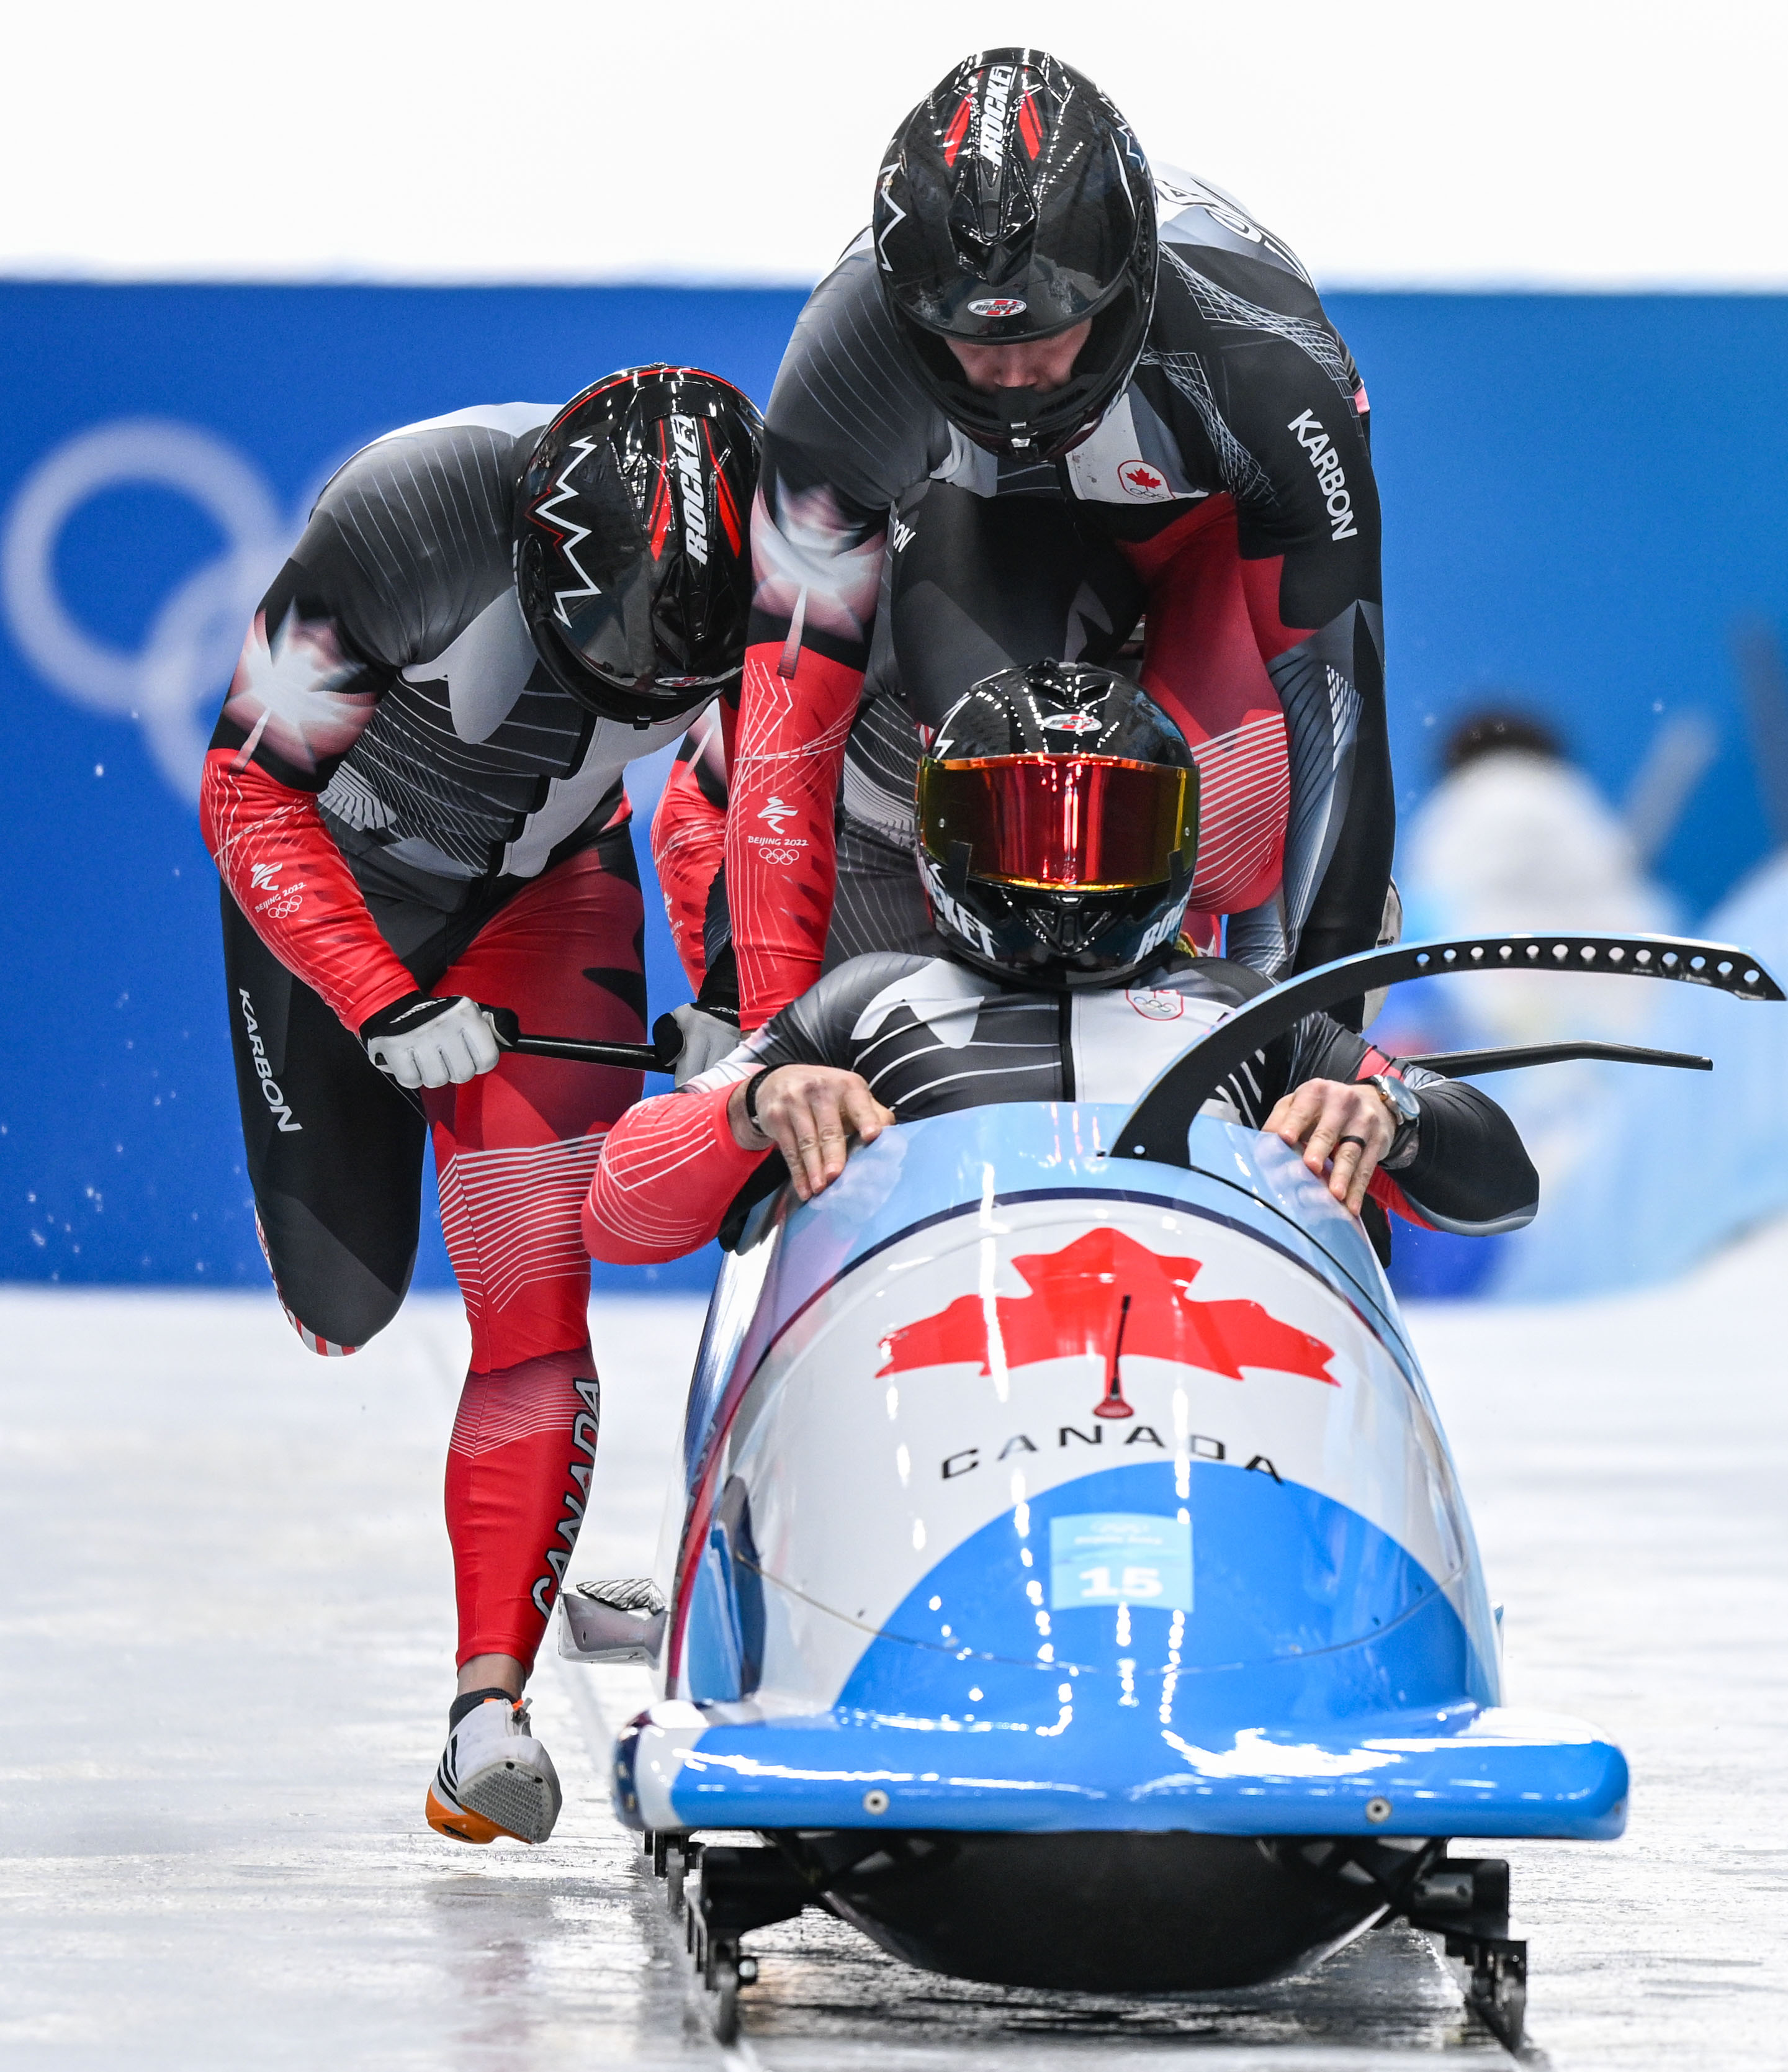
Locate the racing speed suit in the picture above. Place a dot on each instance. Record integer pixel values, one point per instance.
(399, 797)
(1227, 496)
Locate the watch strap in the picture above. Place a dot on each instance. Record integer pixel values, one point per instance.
(1406, 1114)
(752, 1087)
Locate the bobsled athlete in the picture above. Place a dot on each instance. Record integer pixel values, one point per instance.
(1058, 847)
(414, 797)
(1044, 393)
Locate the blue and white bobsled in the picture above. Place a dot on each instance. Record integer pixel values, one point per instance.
(1070, 1578)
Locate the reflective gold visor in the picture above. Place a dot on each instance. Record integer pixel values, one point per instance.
(1095, 822)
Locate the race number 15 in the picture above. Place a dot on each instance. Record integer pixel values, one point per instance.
(1121, 1557)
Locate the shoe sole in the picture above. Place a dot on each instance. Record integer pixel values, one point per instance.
(462, 1826)
(507, 1799)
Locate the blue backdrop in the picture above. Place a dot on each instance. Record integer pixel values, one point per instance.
(1583, 496)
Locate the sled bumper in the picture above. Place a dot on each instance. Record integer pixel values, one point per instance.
(1496, 1772)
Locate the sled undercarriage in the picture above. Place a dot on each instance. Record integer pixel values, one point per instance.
(1329, 1890)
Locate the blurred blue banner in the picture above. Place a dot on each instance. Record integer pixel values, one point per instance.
(1585, 498)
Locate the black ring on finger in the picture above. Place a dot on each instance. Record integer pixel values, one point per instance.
(1359, 1140)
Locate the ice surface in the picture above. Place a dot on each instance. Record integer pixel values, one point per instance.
(227, 1638)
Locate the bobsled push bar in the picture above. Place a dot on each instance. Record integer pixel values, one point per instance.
(1156, 1127)
(1450, 1064)
(659, 1056)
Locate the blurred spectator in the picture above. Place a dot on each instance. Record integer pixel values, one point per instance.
(1517, 837)
(1682, 1163)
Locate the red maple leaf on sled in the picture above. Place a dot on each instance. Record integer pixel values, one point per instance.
(1105, 1295)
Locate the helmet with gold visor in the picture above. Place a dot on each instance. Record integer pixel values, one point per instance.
(1058, 826)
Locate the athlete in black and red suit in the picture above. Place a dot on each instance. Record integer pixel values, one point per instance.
(1055, 975)
(1046, 391)
(414, 797)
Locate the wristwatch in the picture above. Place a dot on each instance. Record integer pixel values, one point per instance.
(754, 1087)
(1406, 1114)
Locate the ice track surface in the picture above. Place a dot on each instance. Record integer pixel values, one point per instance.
(228, 1643)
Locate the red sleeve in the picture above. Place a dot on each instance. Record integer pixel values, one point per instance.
(730, 726)
(689, 841)
(781, 845)
(1382, 1186)
(668, 1172)
(283, 868)
(1383, 1189)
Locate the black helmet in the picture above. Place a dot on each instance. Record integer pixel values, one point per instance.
(633, 556)
(1058, 826)
(1014, 204)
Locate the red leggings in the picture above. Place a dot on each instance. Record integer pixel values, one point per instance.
(515, 1150)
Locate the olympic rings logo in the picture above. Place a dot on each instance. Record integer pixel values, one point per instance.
(172, 683)
(778, 856)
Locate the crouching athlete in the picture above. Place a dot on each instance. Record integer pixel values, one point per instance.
(1057, 878)
(414, 797)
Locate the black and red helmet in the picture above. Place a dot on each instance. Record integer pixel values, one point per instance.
(633, 551)
(1013, 203)
(1058, 826)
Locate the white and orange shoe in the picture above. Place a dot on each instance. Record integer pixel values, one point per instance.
(495, 1778)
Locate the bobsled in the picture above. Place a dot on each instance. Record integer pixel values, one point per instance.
(1066, 1577)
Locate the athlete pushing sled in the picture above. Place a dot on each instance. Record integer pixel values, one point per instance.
(414, 797)
(1049, 391)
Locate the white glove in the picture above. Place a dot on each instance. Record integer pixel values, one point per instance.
(706, 1039)
(422, 1041)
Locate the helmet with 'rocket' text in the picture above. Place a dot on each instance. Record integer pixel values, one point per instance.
(633, 556)
(1013, 204)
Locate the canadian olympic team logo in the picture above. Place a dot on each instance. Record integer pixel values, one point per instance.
(171, 683)
(1148, 484)
(1154, 1004)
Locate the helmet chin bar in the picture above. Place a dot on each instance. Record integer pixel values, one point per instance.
(1065, 928)
(1038, 425)
(640, 705)
(1158, 1128)
(1028, 950)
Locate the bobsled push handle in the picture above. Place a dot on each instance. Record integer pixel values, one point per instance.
(618, 1620)
(656, 1056)
(1156, 1127)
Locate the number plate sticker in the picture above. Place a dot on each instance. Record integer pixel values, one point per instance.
(1120, 1557)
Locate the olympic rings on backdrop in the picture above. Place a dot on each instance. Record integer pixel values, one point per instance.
(171, 684)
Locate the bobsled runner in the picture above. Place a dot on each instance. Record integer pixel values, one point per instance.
(1068, 1578)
